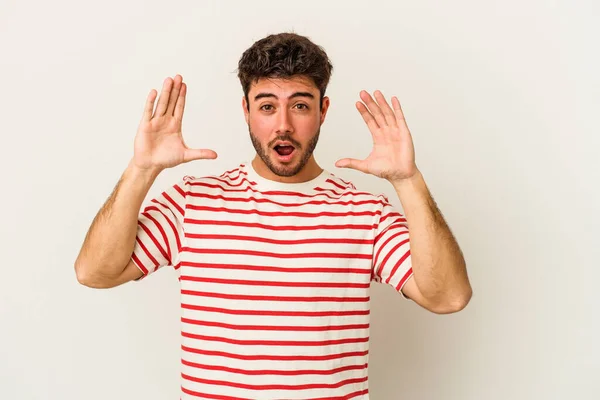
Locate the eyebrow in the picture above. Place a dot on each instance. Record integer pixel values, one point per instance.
(297, 94)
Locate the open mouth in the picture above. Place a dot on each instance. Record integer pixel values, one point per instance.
(284, 150)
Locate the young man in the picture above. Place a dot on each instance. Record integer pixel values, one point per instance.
(275, 257)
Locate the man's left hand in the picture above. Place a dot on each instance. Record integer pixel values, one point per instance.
(393, 154)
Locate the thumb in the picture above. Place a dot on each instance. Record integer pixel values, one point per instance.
(359, 165)
(198, 154)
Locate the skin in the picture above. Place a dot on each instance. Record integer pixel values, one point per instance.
(276, 110)
(281, 109)
(104, 260)
(440, 282)
(288, 110)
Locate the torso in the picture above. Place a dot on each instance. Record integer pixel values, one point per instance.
(275, 288)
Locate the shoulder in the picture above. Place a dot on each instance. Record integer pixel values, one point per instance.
(228, 180)
(346, 188)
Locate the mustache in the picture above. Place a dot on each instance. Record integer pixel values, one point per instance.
(285, 138)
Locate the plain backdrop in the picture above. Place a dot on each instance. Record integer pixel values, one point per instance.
(502, 101)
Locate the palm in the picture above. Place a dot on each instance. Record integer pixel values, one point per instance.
(159, 143)
(393, 155)
(384, 156)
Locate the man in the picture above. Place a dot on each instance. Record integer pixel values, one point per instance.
(275, 257)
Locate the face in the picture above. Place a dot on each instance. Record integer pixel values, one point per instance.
(284, 118)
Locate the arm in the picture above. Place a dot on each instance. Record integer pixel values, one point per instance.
(439, 283)
(105, 257)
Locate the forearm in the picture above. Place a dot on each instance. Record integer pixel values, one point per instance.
(110, 240)
(438, 263)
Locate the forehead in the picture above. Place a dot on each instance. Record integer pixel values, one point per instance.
(283, 87)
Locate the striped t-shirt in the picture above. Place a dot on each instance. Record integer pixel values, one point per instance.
(274, 281)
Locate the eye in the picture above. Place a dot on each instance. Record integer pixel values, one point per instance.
(266, 107)
(301, 106)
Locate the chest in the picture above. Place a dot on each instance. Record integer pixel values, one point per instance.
(285, 246)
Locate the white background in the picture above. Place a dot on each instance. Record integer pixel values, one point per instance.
(502, 100)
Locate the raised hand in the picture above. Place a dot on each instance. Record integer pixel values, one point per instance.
(393, 154)
(159, 143)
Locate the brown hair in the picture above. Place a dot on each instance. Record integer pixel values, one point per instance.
(284, 55)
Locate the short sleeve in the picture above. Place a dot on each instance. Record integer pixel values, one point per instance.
(391, 248)
(160, 232)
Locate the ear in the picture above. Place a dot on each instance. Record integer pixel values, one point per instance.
(324, 109)
(245, 107)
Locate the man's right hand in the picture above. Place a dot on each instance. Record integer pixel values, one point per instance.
(159, 143)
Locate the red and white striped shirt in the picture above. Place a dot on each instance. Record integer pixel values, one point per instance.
(275, 281)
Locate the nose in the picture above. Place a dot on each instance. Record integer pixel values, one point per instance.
(284, 122)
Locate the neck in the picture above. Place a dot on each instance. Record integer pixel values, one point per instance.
(310, 171)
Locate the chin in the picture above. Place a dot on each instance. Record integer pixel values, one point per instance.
(285, 168)
(281, 165)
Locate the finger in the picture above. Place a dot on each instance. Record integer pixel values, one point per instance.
(368, 118)
(373, 108)
(352, 163)
(398, 112)
(149, 105)
(174, 94)
(180, 106)
(387, 111)
(199, 154)
(163, 100)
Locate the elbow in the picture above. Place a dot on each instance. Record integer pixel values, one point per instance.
(461, 302)
(82, 274)
(455, 303)
(86, 277)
